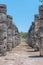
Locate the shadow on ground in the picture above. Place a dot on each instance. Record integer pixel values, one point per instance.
(32, 51)
(35, 56)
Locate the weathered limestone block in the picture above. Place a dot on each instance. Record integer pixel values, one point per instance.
(41, 9)
(3, 8)
(32, 34)
(3, 29)
(19, 38)
(3, 34)
(36, 20)
(41, 30)
(9, 33)
(16, 35)
(28, 39)
(13, 34)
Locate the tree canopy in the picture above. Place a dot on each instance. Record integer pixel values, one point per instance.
(24, 34)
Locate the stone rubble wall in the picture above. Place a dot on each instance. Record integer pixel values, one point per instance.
(8, 31)
(35, 33)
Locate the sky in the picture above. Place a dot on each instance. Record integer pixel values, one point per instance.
(22, 11)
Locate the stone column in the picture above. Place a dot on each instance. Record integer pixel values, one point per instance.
(9, 32)
(41, 30)
(3, 29)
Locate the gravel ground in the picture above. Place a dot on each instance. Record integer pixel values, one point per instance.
(21, 55)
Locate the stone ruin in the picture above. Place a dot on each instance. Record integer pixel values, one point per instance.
(9, 34)
(35, 33)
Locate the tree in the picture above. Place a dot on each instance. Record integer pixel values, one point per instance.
(24, 34)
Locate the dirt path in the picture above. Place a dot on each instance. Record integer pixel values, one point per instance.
(22, 55)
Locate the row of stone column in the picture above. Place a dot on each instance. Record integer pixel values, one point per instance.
(35, 33)
(9, 34)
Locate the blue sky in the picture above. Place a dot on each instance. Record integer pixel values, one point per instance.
(22, 11)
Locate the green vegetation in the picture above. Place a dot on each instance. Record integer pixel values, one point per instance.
(24, 34)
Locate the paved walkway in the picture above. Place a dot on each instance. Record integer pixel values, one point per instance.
(21, 55)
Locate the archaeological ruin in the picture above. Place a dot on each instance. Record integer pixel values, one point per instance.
(35, 33)
(9, 33)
